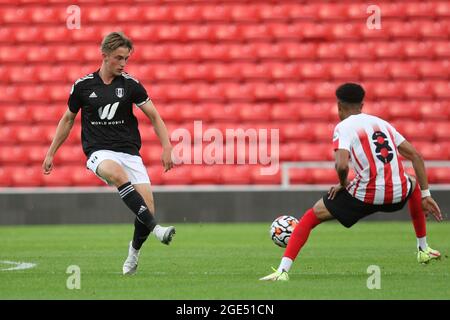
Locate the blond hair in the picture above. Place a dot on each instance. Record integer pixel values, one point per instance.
(115, 40)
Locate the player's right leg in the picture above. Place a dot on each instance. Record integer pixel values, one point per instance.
(314, 216)
(424, 253)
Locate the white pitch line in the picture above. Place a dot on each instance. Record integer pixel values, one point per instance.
(18, 265)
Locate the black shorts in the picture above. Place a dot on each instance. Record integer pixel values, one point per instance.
(348, 210)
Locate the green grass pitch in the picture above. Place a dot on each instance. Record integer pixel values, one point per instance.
(223, 261)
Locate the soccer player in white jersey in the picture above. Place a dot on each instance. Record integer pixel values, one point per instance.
(381, 184)
(111, 139)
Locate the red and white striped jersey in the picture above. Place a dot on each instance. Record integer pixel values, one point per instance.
(372, 143)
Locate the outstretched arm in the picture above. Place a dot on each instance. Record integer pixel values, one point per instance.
(62, 132)
(161, 131)
(428, 203)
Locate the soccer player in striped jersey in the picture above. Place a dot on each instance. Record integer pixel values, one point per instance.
(111, 139)
(381, 184)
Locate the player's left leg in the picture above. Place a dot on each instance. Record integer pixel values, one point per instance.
(163, 234)
(424, 252)
(313, 217)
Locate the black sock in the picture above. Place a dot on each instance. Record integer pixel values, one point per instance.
(141, 233)
(136, 203)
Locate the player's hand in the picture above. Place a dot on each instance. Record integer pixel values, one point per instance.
(47, 165)
(334, 191)
(166, 158)
(430, 206)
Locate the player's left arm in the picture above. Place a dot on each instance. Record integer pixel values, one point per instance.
(161, 131)
(342, 156)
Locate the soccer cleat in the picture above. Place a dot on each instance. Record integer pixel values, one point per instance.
(164, 234)
(425, 256)
(276, 276)
(130, 265)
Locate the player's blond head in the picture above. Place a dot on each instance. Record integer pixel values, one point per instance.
(115, 40)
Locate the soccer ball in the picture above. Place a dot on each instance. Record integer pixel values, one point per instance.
(281, 230)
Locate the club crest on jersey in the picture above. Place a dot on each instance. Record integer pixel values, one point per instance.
(120, 92)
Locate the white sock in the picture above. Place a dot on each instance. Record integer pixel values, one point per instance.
(422, 243)
(285, 264)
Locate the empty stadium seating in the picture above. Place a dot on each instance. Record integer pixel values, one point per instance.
(230, 64)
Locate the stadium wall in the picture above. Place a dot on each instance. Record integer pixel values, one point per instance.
(174, 204)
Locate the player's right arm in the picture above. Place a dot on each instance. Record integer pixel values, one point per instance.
(407, 150)
(62, 132)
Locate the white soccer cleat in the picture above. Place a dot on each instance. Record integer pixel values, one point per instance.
(164, 234)
(130, 265)
(276, 276)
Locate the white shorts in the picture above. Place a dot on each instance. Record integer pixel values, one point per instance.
(133, 165)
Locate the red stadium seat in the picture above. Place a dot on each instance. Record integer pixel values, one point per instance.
(266, 177)
(188, 52)
(300, 176)
(441, 89)
(330, 50)
(299, 11)
(14, 15)
(46, 15)
(82, 177)
(402, 70)
(128, 13)
(267, 92)
(284, 31)
(238, 92)
(314, 71)
(435, 110)
(235, 175)
(199, 33)
(5, 176)
(155, 174)
(247, 13)
(41, 54)
(16, 114)
(324, 176)
(186, 13)
(297, 131)
(227, 112)
(404, 110)
(332, 11)
(254, 112)
(155, 13)
(323, 131)
(23, 74)
(374, 70)
(418, 90)
(433, 30)
(416, 50)
(431, 151)
(52, 74)
(218, 52)
(284, 111)
(441, 49)
(388, 90)
(325, 91)
(306, 51)
(441, 175)
(36, 153)
(27, 176)
(13, 155)
(403, 29)
(288, 151)
(179, 175)
(346, 31)
(70, 154)
(8, 135)
(273, 12)
(31, 134)
(28, 34)
(423, 10)
(242, 52)
(316, 111)
(434, 69)
(344, 71)
(314, 152)
(151, 153)
(390, 50)
(55, 34)
(360, 51)
(223, 72)
(216, 12)
(205, 174)
(442, 130)
(413, 130)
(59, 177)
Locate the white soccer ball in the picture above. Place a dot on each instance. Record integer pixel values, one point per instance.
(281, 230)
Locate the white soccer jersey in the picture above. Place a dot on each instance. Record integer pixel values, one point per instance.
(372, 143)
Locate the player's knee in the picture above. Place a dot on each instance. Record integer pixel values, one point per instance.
(117, 178)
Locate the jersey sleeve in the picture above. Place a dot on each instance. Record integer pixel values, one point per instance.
(341, 138)
(139, 96)
(398, 138)
(74, 102)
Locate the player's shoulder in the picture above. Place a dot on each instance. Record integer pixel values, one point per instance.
(82, 81)
(129, 77)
